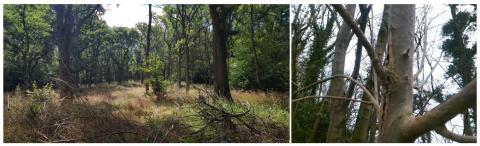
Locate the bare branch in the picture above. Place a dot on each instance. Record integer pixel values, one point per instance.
(443, 131)
(331, 97)
(361, 36)
(444, 112)
(372, 98)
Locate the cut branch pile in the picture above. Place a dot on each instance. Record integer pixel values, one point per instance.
(233, 122)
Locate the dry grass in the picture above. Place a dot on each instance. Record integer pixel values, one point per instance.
(258, 97)
(127, 106)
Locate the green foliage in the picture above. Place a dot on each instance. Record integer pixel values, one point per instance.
(40, 100)
(155, 66)
(28, 43)
(41, 94)
(318, 54)
(18, 92)
(304, 116)
(208, 116)
(456, 46)
(272, 48)
(152, 121)
(273, 113)
(436, 94)
(158, 87)
(154, 70)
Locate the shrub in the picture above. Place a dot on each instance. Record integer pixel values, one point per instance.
(18, 92)
(42, 94)
(158, 87)
(40, 100)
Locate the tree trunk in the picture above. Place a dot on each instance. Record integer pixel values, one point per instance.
(397, 124)
(94, 58)
(187, 56)
(399, 90)
(220, 73)
(363, 123)
(27, 81)
(63, 35)
(336, 128)
(364, 10)
(179, 70)
(254, 51)
(207, 56)
(147, 50)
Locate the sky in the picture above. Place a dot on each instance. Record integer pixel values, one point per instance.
(127, 15)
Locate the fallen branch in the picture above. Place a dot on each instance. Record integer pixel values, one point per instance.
(166, 133)
(104, 135)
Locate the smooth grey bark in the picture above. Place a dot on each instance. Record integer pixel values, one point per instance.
(397, 123)
(336, 128)
(363, 125)
(398, 100)
(444, 112)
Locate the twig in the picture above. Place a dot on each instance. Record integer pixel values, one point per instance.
(166, 133)
(332, 97)
(361, 36)
(372, 98)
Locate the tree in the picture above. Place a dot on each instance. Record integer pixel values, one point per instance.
(254, 50)
(364, 130)
(463, 66)
(28, 44)
(186, 16)
(219, 15)
(67, 28)
(397, 124)
(318, 53)
(299, 36)
(267, 56)
(64, 37)
(149, 35)
(337, 118)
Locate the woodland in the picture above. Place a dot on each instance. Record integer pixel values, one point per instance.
(192, 73)
(399, 74)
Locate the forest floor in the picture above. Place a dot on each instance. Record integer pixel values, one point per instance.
(124, 113)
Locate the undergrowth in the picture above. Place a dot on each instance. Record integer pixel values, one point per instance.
(107, 113)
